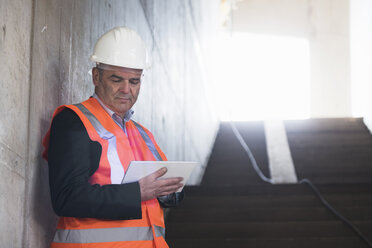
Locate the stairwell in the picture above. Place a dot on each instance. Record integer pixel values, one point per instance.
(234, 208)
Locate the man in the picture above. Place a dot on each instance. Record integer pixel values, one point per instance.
(89, 147)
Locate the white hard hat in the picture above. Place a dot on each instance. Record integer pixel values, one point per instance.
(120, 46)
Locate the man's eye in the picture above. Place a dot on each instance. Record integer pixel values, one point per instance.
(134, 81)
(116, 80)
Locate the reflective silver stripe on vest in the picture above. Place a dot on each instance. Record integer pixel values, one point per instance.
(148, 141)
(117, 170)
(159, 231)
(99, 235)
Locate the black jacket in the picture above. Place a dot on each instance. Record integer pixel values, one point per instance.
(72, 159)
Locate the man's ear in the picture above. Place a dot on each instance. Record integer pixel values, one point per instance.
(95, 76)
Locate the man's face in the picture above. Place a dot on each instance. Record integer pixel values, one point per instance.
(117, 87)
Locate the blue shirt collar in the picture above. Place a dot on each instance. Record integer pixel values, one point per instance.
(128, 115)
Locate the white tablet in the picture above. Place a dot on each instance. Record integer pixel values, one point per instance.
(140, 169)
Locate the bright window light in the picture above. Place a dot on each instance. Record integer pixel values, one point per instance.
(262, 77)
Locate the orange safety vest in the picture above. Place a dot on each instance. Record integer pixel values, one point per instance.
(118, 150)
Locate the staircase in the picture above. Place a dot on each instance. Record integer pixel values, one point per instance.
(234, 208)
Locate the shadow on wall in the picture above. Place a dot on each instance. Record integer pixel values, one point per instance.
(39, 195)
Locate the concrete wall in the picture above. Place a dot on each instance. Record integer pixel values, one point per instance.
(44, 51)
(15, 48)
(325, 23)
(330, 58)
(361, 58)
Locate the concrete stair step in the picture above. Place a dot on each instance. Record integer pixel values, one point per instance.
(361, 159)
(332, 151)
(330, 139)
(324, 178)
(287, 229)
(258, 201)
(337, 169)
(283, 189)
(325, 125)
(339, 242)
(266, 214)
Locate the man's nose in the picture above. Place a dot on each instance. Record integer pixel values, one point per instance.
(125, 86)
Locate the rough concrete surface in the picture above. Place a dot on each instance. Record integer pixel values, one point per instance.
(330, 58)
(15, 48)
(44, 51)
